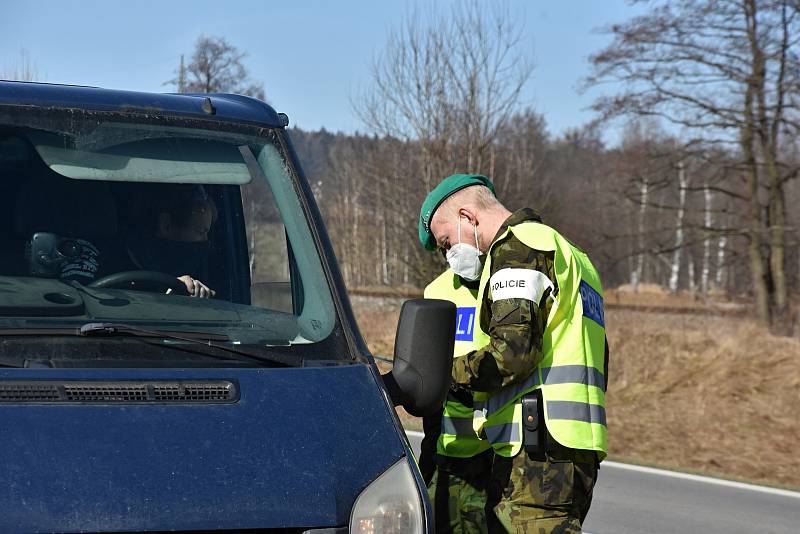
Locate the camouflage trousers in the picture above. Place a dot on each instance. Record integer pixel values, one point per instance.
(541, 494)
(458, 492)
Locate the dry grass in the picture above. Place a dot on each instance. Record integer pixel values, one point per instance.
(654, 296)
(719, 395)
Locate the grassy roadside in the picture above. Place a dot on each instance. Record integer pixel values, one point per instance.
(701, 393)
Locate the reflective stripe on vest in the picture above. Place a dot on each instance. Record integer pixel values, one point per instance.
(571, 373)
(503, 433)
(460, 427)
(576, 411)
(567, 374)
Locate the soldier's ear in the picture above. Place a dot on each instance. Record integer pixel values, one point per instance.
(470, 214)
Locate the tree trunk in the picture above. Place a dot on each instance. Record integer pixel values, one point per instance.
(777, 256)
(719, 276)
(676, 254)
(768, 119)
(758, 270)
(707, 221)
(636, 274)
(758, 263)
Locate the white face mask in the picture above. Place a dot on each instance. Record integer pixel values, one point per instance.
(464, 258)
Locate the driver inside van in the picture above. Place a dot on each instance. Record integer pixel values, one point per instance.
(184, 217)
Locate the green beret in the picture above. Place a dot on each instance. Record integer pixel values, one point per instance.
(447, 187)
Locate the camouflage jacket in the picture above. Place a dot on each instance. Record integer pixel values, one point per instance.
(515, 325)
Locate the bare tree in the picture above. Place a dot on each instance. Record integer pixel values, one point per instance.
(215, 67)
(25, 70)
(450, 85)
(726, 72)
(683, 184)
(445, 89)
(708, 222)
(518, 162)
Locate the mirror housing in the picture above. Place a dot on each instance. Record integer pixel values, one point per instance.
(423, 356)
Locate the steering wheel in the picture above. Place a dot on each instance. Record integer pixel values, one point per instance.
(147, 280)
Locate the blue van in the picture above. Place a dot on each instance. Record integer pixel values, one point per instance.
(177, 350)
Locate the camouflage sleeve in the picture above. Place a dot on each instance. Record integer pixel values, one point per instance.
(432, 428)
(514, 325)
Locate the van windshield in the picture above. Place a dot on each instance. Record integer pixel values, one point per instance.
(138, 240)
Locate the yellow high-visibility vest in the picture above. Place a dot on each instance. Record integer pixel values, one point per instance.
(461, 424)
(571, 374)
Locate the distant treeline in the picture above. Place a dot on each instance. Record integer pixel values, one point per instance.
(646, 212)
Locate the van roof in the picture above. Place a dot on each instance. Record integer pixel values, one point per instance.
(223, 107)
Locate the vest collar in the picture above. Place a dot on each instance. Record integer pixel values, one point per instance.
(518, 217)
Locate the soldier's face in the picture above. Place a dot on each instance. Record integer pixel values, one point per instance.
(444, 230)
(444, 226)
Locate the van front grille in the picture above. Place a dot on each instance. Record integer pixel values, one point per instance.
(85, 391)
(193, 392)
(105, 393)
(29, 392)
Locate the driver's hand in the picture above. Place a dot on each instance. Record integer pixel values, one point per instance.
(196, 288)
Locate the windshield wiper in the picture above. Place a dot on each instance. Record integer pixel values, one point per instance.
(202, 339)
(101, 329)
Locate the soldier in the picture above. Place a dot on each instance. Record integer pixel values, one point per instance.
(455, 460)
(544, 365)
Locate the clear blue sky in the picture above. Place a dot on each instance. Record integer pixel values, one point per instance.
(311, 55)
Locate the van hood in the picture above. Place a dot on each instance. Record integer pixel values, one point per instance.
(294, 451)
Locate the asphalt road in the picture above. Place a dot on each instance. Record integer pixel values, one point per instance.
(635, 500)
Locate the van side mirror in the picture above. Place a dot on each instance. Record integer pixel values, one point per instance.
(423, 356)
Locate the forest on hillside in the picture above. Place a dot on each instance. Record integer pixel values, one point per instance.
(644, 212)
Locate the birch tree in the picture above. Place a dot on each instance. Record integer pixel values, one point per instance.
(675, 268)
(708, 223)
(636, 274)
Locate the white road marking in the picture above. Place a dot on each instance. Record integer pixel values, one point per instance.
(685, 476)
(707, 480)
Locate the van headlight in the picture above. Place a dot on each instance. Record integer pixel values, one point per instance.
(389, 505)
